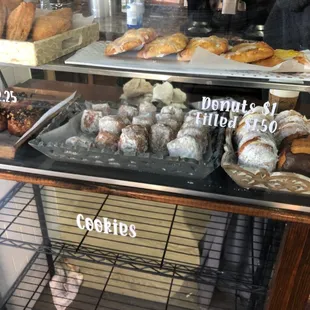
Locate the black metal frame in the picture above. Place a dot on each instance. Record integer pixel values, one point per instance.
(54, 248)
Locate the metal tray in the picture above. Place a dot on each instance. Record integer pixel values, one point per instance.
(146, 162)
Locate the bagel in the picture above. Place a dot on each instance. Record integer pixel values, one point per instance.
(250, 52)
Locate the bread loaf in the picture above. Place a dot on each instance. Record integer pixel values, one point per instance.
(3, 15)
(53, 23)
(20, 22)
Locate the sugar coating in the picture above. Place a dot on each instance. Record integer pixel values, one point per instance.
(107, 141)
(185, 147)
(102, 107)
(90, 121)
(112, 123)
(133, 139)
(159, 137)
(127, 111)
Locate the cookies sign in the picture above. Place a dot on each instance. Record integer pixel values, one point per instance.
(106, 226)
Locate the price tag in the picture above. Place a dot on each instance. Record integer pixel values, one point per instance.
(7, 96)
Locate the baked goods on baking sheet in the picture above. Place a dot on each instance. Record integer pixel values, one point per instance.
(163, 46)
(19, 22)
(250, 52)
(131, 40)
(51, 24)
(269, 62)
(212, 44)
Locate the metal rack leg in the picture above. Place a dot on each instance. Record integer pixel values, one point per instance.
(43, 226)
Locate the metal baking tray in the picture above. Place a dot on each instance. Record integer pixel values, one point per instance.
(93, 55)
(48, 143)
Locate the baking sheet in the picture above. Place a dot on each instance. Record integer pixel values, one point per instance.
(93, 55)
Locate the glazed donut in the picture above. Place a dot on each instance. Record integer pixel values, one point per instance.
(213, 44)
(250, 52)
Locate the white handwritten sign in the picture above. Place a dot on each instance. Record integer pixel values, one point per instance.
(106, 226)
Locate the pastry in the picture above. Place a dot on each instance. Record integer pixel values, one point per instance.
(107, 141)
(213, 44)
(258, 153)
(179, 97)
(173, 113)
(250, 52)
(143, 120)
(79, 141)
(3, 16)
(285, 114)
(185, 147)
(104, 108)
(23, 115)
(163, 93)
(49, 26)
(127, 111)
(20, 21)
(159, 137)
(296, 157)
(269, 62)
(90, 121)
(163, 46)
(192, 132)
(147, 108)
(11, 5)
(136, 88)
(3, 120)
(290, 131)
(287, 54)
(167, 120)
(112, 123)
(131, 39)
(133, 139)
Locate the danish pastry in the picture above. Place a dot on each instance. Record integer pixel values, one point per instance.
(132, 39)
(212, 44)
(250, 52)
(20, 22)
(269, 62)
(163, 46)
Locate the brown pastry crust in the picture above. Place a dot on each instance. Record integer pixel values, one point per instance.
(49, 26)
(20, 22)
(23, 115)
(3, 16)
(295, 157)
(302, 59)
(269, 62)
(213, 44)
(301, 145)
(163, 46)
(250, 52)
(3, 120)
(130, 40)
(11, 4)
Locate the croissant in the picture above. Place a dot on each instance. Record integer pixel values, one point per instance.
(163, 46)
(50, 25)
(20, 22)
(130, 40)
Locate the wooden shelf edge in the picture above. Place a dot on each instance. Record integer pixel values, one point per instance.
(250, 210)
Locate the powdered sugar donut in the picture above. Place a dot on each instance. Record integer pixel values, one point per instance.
(90, 121)
(112, 123)
(107, 141)
(293, 130)
(133, 139)
(127, 111)
(143, 120)
(104, 108)
(174, 112)
(160, 136)
(185, 147)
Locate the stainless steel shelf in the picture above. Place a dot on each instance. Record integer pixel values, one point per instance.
(210, 80)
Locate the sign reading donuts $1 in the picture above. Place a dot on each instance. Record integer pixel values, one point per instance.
(255, 118)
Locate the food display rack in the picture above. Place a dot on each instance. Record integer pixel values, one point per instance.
(286, 286)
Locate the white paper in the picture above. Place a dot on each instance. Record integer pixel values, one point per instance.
(78, 20)
(207, 60)
(50, 112)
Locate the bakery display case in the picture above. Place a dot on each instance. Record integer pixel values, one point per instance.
(165, 165)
